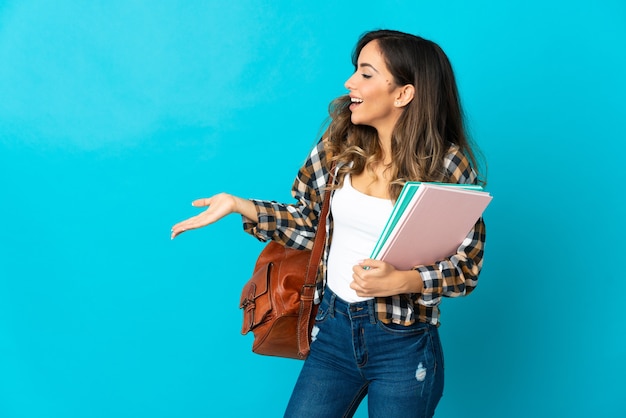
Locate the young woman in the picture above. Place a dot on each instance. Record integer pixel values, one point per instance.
(376, 328)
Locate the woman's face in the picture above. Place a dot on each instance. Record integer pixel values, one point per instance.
(373, 91)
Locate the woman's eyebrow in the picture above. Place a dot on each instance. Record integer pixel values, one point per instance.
(365, 64)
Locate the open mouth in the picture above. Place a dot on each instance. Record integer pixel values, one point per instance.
(355, 102)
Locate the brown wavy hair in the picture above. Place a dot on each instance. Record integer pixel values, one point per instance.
(427, 127)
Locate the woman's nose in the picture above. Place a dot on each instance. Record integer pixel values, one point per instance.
(349, 84)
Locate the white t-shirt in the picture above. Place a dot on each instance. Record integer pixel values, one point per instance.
(358, 220)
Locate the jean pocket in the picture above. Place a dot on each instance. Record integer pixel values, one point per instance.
(397, 329)
(322, 311)
(321, 314)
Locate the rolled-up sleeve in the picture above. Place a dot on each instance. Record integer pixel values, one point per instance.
(457, 275)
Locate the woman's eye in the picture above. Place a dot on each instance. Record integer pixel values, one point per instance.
(366, 76)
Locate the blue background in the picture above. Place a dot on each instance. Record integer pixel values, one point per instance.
(115, 115)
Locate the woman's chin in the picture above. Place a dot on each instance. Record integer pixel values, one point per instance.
(356, 120)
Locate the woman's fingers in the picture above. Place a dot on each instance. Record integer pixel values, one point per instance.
(372, 278)
(201, 202)
(190, 223)
(217, 206)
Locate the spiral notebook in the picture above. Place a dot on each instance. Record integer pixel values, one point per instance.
(428, 222)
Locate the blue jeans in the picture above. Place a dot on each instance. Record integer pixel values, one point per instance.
(353, 354)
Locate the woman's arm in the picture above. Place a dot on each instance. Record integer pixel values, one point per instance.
(292, 225)
(456, 275)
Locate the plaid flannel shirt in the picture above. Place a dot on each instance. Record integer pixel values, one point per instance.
(294, 225)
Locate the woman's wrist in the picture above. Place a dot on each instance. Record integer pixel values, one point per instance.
(412, 281)
(244, 207)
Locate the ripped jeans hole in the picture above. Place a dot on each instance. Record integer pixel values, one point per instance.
(420, 373)
(314, 333)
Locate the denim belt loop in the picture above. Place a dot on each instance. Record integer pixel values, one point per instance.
(371, 304)
(331, 303)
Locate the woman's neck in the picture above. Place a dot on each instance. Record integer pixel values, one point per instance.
(385, 146)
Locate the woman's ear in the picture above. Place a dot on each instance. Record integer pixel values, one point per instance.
(405, 95)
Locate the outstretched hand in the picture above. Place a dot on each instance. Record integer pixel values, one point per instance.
(217, 206)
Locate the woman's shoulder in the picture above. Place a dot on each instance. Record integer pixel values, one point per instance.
(315, 167)
(457, 166)
(319, 154)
